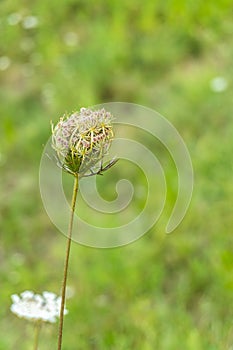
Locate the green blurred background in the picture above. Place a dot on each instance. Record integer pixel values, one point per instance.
(161, 292)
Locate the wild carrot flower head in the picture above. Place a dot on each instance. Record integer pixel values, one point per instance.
(36, 307)
(82, 139)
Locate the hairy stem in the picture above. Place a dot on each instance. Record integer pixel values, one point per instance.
(63, 296)
(37, 332)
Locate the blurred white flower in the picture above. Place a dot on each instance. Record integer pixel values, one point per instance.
(71, 39)
(27, 70)
(102, 300)
(27, 44)
(30, 22)
(36, 307)
(48, 93)
(14, 18)
(14, 277)
(70, 292)
(218, 84)
(4, 62)
(17, 259)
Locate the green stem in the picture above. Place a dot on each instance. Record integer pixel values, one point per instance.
(37, 332)
(63, 296)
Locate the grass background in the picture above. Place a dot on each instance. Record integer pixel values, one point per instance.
(161, 292)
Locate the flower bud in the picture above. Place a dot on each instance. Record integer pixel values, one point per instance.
(82, 139)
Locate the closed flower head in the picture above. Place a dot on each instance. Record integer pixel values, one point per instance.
(82, 139)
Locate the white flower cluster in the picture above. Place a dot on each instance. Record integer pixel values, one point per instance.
(218, 84)
(36, 307)
(82, 139)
